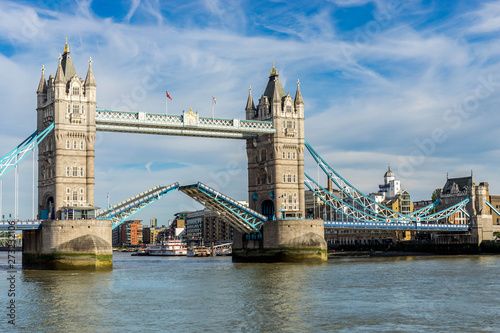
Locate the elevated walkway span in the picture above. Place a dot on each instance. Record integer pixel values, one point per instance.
(187, 124)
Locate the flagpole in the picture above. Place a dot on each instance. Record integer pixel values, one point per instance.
(166, 104)
(213, 107)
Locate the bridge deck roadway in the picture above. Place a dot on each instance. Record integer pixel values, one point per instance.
(240, 217)
(20, 225)
(396, 226)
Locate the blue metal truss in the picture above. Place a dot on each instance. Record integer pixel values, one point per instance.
(352, 192)
(16, 155)
(20, 225)
(338, 205)
(396, 226)
(123, 210)
(424, 210)
(240, 217)
(492, 208)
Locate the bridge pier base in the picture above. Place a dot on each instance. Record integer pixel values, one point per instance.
(283, 241)
(69, 244)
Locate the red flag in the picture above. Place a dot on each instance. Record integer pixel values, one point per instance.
(168, 95)
(215, 101)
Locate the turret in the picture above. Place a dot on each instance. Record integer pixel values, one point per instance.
(42, 89)
(90, 85)
(250, 108)
(299, 102)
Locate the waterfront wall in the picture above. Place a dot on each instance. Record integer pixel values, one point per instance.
(69, 244)
(283, 240)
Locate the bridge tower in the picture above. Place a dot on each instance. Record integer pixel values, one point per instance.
(276, 182)
(276, 161)
(480, 218)
(66, 157)
(66, 174)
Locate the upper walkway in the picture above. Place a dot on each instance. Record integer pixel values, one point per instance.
(187, 124)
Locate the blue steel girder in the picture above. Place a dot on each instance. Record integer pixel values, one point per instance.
(397, 226)
(16, 155)
(125, 209)
(10, 225)
(188, 124)
(240, 217)
(337, 204)
(425, 210)
(492, 207)
(446, 212)
(352, 192)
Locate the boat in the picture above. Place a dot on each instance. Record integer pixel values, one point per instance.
(198, 251)
(170, 247)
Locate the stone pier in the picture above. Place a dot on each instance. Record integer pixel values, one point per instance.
(293, 240)
(69, 244)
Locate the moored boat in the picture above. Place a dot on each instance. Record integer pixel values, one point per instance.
(168, 248)
(198, 251)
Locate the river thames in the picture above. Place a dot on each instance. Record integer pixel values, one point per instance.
(410, 294)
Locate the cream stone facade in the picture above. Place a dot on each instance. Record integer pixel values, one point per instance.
(66, 156)
(276, 161)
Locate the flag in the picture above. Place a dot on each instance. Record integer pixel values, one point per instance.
(168, 95)
(215, 101)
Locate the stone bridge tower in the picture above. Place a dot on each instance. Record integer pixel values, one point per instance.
(480, 218)
(276, 161)
(70, 237)
(66, 157)
(276, 183)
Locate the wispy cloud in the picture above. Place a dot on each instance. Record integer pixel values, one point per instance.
(373, 91)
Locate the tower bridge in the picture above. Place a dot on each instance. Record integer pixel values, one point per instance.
(69, 225)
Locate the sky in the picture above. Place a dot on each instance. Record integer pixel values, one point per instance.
(414, 84)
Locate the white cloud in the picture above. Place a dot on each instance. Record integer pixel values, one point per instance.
(363, 111)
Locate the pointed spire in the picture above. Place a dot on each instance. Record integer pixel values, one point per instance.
(250, 104)
(89, 80)
(274, 90)
(59, 73)
(298, 95)
(41, 85)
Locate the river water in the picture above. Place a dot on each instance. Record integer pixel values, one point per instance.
(410, 294)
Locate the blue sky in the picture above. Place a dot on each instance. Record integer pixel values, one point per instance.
(412, 83)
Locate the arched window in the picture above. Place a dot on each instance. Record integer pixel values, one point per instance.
(81, 145)
(74, 144)
(68, 144)
(263, 155)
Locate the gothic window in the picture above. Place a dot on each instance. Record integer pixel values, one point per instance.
(288, 108)
(75, 196)
(284, 178)
(81, 145)
(289, 178)
(289, 155)
(68, 171)
(76, 91)
(293, 155)
(284, 155)
(69, 108)
(82, 172)
(75, 172)
(76, 108)
(68, 145)
(294, 178)
(263, 155)
(74, 144)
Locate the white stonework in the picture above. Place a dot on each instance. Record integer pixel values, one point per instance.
(276, 161)
(66, 156)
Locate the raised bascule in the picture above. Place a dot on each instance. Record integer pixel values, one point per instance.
(71, 232)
